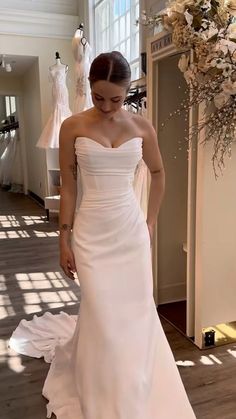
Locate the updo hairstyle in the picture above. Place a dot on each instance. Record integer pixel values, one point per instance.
(112, 67)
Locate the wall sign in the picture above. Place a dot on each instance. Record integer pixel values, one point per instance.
(161, 43)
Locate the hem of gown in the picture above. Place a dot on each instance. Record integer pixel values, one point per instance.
(71, 411)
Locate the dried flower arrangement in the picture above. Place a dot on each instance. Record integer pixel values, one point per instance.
(208, 28)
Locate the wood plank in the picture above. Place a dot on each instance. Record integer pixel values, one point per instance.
(27, 265)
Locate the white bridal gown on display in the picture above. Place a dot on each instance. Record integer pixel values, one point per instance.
(49, 137)
(113, 361)
(11, 172)
(83, 59)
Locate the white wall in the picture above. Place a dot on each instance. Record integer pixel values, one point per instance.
(38, 103)
(69, 7)
(10, 85)
(32, 128)
(215, 242)
(44, 49)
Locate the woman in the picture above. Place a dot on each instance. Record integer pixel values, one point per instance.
(118, 365)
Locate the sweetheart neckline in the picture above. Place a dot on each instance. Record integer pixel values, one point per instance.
(109, 148)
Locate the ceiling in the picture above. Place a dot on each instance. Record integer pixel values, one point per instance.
(20, 64)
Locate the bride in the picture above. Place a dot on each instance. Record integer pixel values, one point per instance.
(118, 363)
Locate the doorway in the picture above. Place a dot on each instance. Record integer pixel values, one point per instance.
(172, 224)
(11, 163)
(19, 99)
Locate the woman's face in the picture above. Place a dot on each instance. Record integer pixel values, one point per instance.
(107, 97)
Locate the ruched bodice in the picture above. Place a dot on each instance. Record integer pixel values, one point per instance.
(106, 172)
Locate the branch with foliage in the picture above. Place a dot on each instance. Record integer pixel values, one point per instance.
(208, 28)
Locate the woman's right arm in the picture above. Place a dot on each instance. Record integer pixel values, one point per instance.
(68, 171)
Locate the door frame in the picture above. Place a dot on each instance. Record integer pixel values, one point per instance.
(160, 46)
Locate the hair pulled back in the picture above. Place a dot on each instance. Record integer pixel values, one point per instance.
(112, 67)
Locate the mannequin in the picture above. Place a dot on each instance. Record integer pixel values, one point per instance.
(58, 63)
(82, 55)
(57, 76)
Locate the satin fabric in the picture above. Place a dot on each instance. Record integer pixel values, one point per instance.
(118, 363)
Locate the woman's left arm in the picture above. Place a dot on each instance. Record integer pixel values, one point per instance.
(153, 160)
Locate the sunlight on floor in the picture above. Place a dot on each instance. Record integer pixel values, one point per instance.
(22, 234)
(27, 285)
(6, 311)
(9, 356)
(215, 359)
(36, 219)
(232, 352)
(12, 221)
(14, 363)
(206, 360)
(224, 332)
(39, 291)
(7, 221)
(32, 308)
(227, 330)
(46, 234)
(19, 234)
(185, 363)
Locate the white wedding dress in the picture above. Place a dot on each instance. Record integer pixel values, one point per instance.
(49, 137)
(113, 361)
(83, 59)
(11, 171)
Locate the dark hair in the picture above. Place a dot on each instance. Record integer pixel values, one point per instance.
(110, 66)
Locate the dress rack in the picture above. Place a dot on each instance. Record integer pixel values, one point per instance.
(9, 127)
(135, 96)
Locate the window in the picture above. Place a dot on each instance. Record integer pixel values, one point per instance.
(10, 102)
(115, 29)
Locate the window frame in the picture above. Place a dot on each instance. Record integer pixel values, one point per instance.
(109, 43)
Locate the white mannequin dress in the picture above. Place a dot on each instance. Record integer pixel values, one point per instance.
(60, 102)
(83, 57)
(11, 172)
(113, 361)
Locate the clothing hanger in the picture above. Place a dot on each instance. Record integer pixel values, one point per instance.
(83, 39)
(9, 127)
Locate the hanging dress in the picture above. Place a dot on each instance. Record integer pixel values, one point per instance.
(60, 102)
(10, 160)
(83, 58)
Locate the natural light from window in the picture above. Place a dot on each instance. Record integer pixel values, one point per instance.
(115, 29)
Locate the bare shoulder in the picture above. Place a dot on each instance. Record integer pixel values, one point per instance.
(145, 127)
(73, 124)
(72, 121)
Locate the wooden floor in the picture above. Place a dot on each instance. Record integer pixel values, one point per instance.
(31, 282)
(175, 313)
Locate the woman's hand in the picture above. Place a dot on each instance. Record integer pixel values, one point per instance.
(67, 261)
(151, 233)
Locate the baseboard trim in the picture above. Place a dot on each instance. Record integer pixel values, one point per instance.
(36, 198)
(172, 293)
